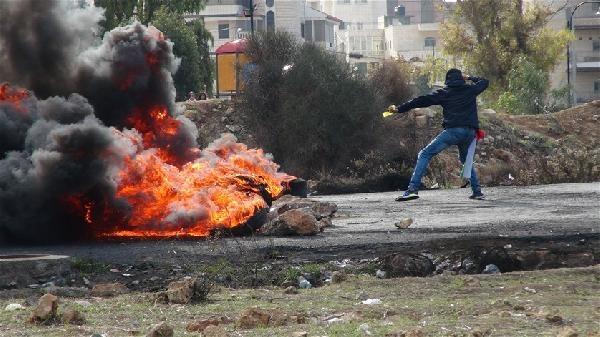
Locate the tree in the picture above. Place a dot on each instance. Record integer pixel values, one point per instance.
(203, 37)
(190, 75)
(392, 81)
(527, 85)
(118, 11)
(489, 35)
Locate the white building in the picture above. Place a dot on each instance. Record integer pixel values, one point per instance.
(229, 20)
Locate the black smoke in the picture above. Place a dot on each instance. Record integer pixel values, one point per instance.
(62, 147)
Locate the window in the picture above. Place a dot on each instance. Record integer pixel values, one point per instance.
(352, 44)
(400, 11)
(596, 45)
(270, 3)
(597, 86)
(342, 25)
(302, 29)
(270, 21)
(427, 11)
(363, 43)
(430, 42)
(359, 26)
(223, 31)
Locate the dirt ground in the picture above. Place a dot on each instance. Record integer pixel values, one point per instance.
(538, 303)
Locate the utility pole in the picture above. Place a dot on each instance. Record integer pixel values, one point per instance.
(251, 17)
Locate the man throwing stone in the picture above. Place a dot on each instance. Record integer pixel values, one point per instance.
(458, 99)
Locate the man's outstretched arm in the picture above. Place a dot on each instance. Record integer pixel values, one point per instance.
(420, 102)
(479, 84)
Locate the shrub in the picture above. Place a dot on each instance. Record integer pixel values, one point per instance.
(527, 86)
(306, 107)
(392, 82)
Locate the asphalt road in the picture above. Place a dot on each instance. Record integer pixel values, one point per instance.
(365, 226)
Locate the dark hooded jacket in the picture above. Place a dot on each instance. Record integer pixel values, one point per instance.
(458, 100)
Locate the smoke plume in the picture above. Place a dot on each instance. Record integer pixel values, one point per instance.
(92, 142)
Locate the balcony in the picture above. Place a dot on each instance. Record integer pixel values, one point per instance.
(587, 61)
(586, 22)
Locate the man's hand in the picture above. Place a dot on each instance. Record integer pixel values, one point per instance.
(466, 77)
(392, 109)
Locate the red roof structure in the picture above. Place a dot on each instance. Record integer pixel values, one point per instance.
(232, 47)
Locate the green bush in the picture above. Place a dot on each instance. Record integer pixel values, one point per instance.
(306, 107)
(527, 86)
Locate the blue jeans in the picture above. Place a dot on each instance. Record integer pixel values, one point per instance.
(461, 137)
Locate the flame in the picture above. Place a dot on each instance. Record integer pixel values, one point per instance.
(13, 96)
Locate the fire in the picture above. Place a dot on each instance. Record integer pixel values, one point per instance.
(13, 96)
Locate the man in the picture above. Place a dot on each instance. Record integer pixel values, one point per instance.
(458, 99)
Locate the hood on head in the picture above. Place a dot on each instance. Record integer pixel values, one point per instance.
(454, 77)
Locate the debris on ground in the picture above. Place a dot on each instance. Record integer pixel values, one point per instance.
(338, 276)
(491, 269)
(13, 307)
(380, 273)
(303, 283)
(371, 301)
(252, 318)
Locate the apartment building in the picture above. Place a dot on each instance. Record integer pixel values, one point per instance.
(228, 20)
(584, 56)
(412, 30)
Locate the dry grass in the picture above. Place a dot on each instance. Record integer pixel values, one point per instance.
(440, 306)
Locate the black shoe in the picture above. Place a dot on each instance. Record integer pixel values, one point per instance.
(408, 195)
(477, 196)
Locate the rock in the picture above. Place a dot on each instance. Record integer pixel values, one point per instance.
(320, 209)
(303, 283)
(491, 269)
(45, 309)
(365, 329)
(553, 318)
(72, 316)
(13, 307)
(479, 333)
(488, 111)
(200, 325)
(404, 223)
(398, 265)
(300, 334)
(161, 330)
(293, 222)
(215, 331)
(188, 290)
(468, 266)
(252, 318)
(338, 277)
(380, 273)
(567, 332)
(278, 318)
(108, 289)
(291, 290)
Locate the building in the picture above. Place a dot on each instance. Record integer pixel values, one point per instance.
(584, 57)
(359, 33)
(413, 32)
(228, 20)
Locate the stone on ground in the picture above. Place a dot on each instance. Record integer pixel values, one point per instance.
(293, 222)
(214, 331)
(45, 309)
(399, 265)
(252, 318)
(72, 316)
(200, 325)
(187, 290)
(338, 277)
(161, 330)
